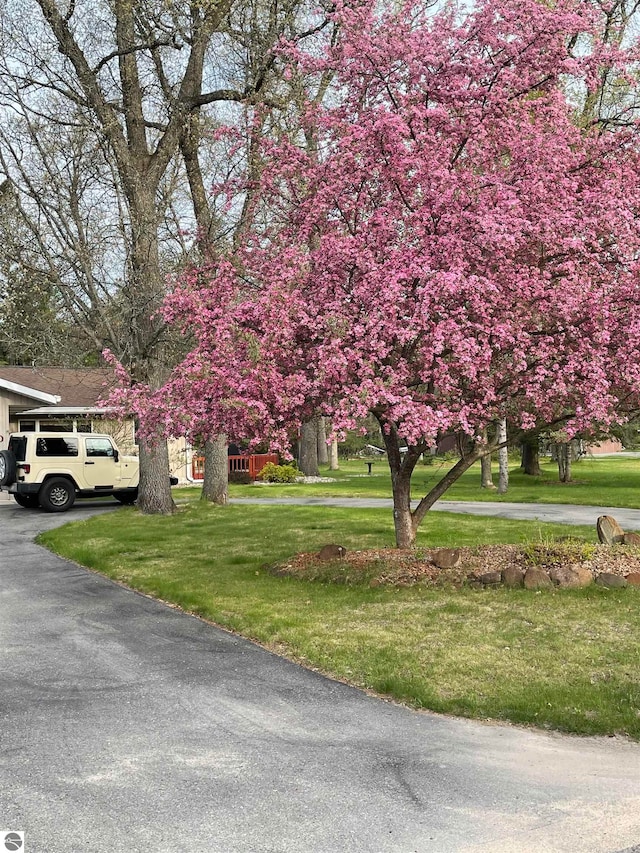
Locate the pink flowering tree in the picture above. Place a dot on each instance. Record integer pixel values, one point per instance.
(452, 250)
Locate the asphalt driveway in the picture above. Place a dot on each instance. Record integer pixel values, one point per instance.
(629, 519)
(128, 726)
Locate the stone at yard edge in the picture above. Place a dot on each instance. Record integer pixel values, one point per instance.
(331, 552)
(567, 576)
(446, 558)
(491, 578)
(632, 538)
(585, 575)
(611, 581)
(609, 531)
(536, 579)
(512, 577)
(633, 578)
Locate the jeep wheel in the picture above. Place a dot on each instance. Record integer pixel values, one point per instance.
(27, 501)
(7, 468)
(129, 497)
(57, 495)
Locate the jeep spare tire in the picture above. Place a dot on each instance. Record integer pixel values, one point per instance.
(7, 468)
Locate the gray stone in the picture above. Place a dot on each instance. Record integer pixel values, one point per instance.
(536, 579)
(491, 578)
(446, 558)
(609, 531)
(513, 577)
(611, 581)
(331, 552)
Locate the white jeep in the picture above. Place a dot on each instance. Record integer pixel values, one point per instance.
(52, 469)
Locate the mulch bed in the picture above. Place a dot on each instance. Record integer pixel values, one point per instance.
(396, 567)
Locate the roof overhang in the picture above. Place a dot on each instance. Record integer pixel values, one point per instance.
(33, 393)
(65, 410)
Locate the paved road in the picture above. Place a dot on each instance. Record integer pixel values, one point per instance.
(629, 519)
(128, 726)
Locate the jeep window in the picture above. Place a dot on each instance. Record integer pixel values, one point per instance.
(18, 446)
(99, 447)
(56, 446)
(27, 426)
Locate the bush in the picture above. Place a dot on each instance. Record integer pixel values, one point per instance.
(278, 473)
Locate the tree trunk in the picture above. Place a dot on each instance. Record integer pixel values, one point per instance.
(401, 466)
(308, 456)
(503, 458)
(145, 293)
(323, 451)
(486, 477)
(443, 485)
(563, 453)
(216, 470)
(402, 517)
(530, 458)
(154, 492)
(334, 465)
(406, 522)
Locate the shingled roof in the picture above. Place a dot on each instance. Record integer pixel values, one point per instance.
(74, 386)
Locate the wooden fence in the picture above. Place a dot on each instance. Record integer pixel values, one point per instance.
(251, 464)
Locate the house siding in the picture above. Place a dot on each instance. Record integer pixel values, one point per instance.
(9, 401)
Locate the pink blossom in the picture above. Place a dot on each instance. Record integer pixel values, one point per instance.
(458, 251)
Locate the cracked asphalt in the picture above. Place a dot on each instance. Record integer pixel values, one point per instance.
(126, 725)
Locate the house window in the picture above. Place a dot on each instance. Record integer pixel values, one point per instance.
(56, 426)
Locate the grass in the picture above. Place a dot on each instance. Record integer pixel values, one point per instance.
(567, 660)
(603, 482)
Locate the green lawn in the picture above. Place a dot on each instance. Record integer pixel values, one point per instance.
(603, 482)
(568, 660)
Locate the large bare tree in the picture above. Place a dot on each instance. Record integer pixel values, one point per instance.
(133, 88)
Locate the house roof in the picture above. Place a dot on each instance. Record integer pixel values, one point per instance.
(72, 386)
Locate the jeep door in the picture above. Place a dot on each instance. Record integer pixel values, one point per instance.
(100, 468)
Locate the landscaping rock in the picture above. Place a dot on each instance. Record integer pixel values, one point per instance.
(609, 531)
(565, 576)
(512, 577)
(585, 575)
(491, 578)
(331, 552)
(536, 579)
(633, 578)
(446, 558)
(572, 576)
(611, 581)
(632, 538)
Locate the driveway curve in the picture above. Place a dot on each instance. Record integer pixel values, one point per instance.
(129, 726)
